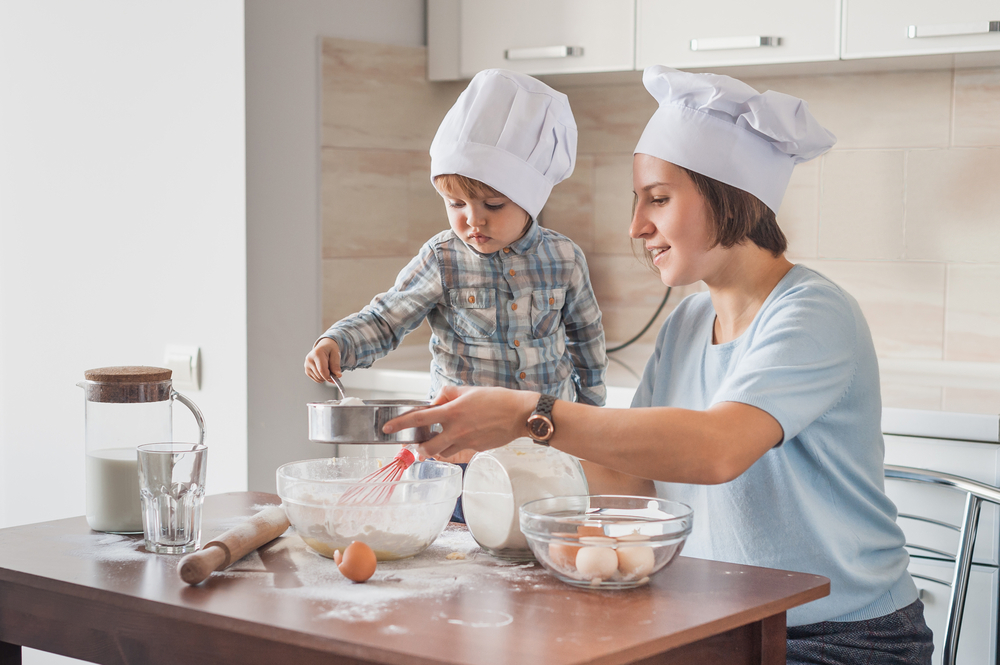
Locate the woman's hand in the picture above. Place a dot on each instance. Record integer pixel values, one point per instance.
(471, 419)
(323, 360)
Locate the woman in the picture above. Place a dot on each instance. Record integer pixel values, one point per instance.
(761, 404)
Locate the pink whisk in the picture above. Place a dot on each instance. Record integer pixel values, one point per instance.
(376, 488)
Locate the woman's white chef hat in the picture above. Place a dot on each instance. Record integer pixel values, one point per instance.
(724, 129)
(510, 131)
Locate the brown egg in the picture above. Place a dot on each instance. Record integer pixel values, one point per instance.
(563, 554)
(357, 563)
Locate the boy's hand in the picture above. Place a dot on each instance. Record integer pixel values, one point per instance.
(323, 360)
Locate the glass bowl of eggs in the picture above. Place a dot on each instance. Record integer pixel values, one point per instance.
(605, 541)
(331, 504)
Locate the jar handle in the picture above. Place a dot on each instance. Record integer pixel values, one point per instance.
(200, 419)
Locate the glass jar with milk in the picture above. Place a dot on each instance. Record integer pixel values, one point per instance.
(125, 407)
(498, 482)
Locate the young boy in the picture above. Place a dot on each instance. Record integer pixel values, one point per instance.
(509, 303)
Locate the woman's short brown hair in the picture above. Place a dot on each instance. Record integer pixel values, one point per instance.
(739, 216)
(460, 185)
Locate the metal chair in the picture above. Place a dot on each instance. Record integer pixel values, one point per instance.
(975, 493)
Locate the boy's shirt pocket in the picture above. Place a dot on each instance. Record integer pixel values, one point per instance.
(546, 311)
(473, 312)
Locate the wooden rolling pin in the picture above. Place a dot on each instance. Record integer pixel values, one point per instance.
(233, 545)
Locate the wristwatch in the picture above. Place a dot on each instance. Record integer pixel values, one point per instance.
(540, 425)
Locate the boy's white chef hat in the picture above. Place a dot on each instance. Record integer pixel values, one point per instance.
(510, 131)
(724, 129)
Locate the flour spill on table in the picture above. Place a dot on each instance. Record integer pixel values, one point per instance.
(430, 576)
(107, 547)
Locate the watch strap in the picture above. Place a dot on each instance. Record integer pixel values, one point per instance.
(544, 408)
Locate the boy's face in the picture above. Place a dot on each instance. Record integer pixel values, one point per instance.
(487, 224)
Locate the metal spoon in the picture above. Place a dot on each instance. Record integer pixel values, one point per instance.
(340, 386)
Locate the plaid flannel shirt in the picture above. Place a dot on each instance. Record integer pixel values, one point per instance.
(524, 317)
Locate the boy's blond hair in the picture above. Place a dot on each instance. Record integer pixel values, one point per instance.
(460, 185)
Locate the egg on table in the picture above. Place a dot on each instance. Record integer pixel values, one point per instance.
(357, 563)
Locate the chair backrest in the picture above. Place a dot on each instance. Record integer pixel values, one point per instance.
(975, 494)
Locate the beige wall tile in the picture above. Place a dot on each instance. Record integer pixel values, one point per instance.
(875, 110)
(861, 205)
(899, 396)
(970, 400)
(977, 107)
(425, 212)
(612, 203)
(622, 323)
(610, 118)
(629, 293)
(972, 324)
(570, 208)
(350, 284)
(378, 96)
(953, 205)
(798, 216)
(902, 302)
(375, 203)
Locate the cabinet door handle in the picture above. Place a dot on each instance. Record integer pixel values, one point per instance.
(952, 29)
(728, 43)
(542, 52)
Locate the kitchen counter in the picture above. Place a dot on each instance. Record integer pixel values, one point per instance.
(103, 598)
(931, 385)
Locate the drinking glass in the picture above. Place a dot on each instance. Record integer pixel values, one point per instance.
(172, 487)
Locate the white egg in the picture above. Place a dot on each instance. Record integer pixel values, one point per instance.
(596, 562)
(636, 561)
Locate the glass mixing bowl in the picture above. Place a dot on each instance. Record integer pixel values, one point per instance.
(603, 541)
(396, 519)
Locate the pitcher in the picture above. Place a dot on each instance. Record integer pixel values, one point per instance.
(125, 407)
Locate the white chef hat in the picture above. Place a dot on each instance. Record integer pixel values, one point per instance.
(724, 129)
(510, 131)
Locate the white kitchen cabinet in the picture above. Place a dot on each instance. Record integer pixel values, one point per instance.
(551, 37)
(694, 35)
(881, 28)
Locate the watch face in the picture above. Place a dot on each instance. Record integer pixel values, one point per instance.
(540, 427)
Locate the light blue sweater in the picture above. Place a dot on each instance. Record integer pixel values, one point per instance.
(814, 503)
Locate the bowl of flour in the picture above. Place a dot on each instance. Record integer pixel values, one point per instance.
(408, 516)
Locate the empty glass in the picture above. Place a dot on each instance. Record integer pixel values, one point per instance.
(172, 487)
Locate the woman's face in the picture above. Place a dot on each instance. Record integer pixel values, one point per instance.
(486, 224)
(673, 221)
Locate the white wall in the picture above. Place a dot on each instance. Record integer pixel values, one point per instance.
(283, 206)
(122, 226)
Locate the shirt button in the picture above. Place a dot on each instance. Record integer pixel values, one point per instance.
(472, 298)
(506, 250)
(517, 343)
(552, 301)
(523, 375)
(512, 273)
(513, 306)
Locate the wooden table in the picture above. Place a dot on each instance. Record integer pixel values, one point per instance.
(101, 598)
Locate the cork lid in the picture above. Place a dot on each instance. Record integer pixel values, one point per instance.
(128, 374)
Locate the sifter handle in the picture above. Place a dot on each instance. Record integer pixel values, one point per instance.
(233, 545)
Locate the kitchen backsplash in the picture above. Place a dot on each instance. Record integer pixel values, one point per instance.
(904, 212)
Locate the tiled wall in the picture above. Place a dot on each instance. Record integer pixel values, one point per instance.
(904, 212)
